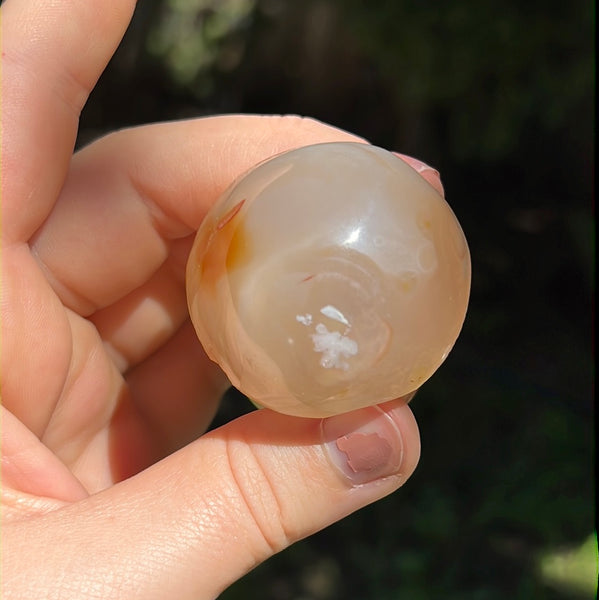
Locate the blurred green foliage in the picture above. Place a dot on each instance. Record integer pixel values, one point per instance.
(573, 569)
(499, 95)
(507, 65)
(188, 36)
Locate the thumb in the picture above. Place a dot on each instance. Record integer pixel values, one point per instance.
(198, 520)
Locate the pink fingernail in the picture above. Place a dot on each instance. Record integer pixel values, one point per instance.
(426, 171)
(363, 445)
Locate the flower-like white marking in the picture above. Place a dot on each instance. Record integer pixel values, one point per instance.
(335, 348)
(304, 319)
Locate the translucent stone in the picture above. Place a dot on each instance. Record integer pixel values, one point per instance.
(329, 278)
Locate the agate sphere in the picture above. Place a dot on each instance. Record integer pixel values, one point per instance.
(329, 278)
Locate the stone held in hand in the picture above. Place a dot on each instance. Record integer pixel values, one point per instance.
(329, 278)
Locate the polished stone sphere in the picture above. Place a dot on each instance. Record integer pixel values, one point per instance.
(329, 278)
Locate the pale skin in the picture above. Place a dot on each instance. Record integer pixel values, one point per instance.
(109, 488)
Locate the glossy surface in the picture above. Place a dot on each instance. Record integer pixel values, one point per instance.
(329, 278)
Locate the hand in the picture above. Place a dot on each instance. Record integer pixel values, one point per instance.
(106, 492)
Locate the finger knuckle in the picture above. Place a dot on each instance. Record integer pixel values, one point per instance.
(259, 492)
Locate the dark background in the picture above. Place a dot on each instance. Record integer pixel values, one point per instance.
(499, 96)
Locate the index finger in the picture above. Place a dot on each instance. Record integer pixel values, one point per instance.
(129, 195)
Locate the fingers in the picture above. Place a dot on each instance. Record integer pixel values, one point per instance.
(52, 55)
(138, 324)
(131, 193)
(427, 172)
(177, 390)
(29, 466)
(203, 517)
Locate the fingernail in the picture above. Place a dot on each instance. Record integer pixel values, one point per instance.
(426, 171)
(363, 445)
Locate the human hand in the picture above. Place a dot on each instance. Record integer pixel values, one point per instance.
(105, 489)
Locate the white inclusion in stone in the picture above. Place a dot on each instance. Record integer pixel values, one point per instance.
(334, 347)
(334, 313)
(304, 319)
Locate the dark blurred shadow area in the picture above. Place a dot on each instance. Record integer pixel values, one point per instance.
(499, 96)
